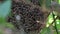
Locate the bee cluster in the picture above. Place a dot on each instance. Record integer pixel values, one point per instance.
(35, 2)
(26, 15)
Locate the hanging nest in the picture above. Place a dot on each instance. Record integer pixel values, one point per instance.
(31, 17)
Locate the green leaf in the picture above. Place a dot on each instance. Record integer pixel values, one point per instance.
(46, 31)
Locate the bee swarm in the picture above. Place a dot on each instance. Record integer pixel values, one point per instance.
(28, 15)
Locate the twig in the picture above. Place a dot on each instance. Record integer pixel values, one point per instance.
(55, 23)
